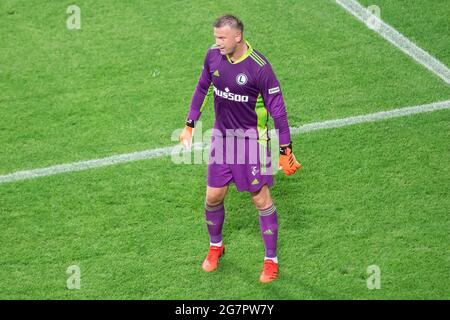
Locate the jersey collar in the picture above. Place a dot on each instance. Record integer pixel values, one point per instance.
(245, 55)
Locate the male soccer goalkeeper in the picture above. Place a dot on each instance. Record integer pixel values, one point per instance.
(245, 92)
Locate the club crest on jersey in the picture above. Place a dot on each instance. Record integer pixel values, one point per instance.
(241, 79)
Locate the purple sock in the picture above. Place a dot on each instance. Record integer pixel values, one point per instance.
(268, 222)
(214, 216)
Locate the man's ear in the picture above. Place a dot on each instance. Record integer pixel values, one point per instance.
(238, 36)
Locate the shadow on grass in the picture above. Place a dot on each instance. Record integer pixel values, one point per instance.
(286, 287)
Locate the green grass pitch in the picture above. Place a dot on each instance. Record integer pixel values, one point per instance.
(369, 194)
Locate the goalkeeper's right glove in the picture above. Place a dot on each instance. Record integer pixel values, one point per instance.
(186, 135)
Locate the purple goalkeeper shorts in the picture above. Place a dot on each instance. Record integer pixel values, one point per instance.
(246, 163)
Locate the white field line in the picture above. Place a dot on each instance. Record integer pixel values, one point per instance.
(396, 38)
(166, 151)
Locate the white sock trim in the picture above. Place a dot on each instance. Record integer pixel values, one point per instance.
(218, 244)
(273, 259)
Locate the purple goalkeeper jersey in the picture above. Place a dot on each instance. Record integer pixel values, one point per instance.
(245, 93)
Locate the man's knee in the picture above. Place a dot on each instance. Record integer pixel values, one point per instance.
(262, 199)
(215, 197)
(262, 203)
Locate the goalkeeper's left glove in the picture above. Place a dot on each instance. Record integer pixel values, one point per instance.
(186, 135)
(287, 160)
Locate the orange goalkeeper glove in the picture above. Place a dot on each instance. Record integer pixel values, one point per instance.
(287, 160)
(186, 135)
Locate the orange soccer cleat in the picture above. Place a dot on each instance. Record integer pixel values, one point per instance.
(212, 259)
(270, 271)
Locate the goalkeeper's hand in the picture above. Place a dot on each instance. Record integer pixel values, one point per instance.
(186, 135)
(287, 160)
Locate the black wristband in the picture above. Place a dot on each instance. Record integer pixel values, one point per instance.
(283, 149)
(190, 122)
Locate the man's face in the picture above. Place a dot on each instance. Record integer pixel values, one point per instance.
(227, 39)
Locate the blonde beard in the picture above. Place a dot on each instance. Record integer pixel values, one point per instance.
(230, 54)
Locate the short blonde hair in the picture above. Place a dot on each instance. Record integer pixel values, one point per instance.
(229, 20)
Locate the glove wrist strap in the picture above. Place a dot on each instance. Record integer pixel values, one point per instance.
(190, 123)
(283, 150)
